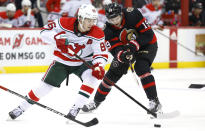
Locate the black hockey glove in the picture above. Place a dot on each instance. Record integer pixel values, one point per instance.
(132, 46)
(124, 56)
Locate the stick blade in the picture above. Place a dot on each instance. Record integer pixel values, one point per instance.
(93, 122)
(168, 115)
(197, 86)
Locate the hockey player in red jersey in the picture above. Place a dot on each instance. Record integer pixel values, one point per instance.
(71, 35)
(129, 38)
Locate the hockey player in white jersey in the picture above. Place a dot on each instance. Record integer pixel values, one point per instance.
(152, 12)
(81, 36)
(25, 16)
(8, 17)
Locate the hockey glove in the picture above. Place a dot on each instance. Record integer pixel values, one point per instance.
(98, 71)
(132, 46)
(124, 56)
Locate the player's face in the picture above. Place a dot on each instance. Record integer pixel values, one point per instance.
(156, 3)
(88, 23)
(10, 14)
(116, 20)
(25, 8)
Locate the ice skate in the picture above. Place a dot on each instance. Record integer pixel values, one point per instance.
(155, 106)
(91, 106)
(16, 113)
(73, 112)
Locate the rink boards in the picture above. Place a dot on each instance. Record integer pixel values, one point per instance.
(22, 50)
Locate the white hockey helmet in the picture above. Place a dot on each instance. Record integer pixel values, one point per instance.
(106, 2)
(26, 3)
(11, 7)
(63, 1)
(87, 11)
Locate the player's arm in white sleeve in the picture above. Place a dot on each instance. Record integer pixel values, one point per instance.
(49, 31)
(100, 52)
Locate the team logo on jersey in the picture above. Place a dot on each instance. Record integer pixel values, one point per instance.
(90, 41)
(115, 63)
(127, 35)
(76, 48)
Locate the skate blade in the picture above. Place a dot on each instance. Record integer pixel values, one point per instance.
(9, 119)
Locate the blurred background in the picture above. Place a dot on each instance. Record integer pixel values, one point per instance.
(179, 26)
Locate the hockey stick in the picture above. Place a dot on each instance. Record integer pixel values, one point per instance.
(92, 122)
(133, 72)
(155, 115)
(112, 83)
(190, 50)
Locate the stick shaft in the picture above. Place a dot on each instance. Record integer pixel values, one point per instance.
(176, 42)
(41, 105)
(112, 83)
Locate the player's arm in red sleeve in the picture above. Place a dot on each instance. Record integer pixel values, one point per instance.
(49, 5)
(146, 34)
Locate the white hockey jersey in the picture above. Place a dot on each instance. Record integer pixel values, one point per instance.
(22, 19)
(151, 14)
(5, 20)
(89, 46)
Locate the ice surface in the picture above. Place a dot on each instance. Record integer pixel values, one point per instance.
(118, 112)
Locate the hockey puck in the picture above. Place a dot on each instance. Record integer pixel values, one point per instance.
(157, 125)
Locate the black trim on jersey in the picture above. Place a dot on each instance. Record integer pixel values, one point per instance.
(131, 20)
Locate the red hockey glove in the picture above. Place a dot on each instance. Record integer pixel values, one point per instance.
(124, 56)
(98, 71)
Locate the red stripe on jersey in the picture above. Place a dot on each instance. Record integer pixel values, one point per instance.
(3, 15)
(118, 44)
(87, 89)
(143, 30)
(48, 70)
(60, 55)
(114, 39)
(33, 96)
(105, 85)
(149, 85)
(102, 55)
(102, 92)
(154, 40)
(144, 75)
(139, 23)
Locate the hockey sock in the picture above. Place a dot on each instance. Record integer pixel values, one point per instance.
(102, 91)
(36, 94)
(83, 95)
(149, 86)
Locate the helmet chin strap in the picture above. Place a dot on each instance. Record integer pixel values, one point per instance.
(81, 25)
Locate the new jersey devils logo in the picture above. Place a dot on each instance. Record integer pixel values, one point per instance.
(17, 40)
(76, 48)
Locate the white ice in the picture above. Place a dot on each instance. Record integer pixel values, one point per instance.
(118, 112)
